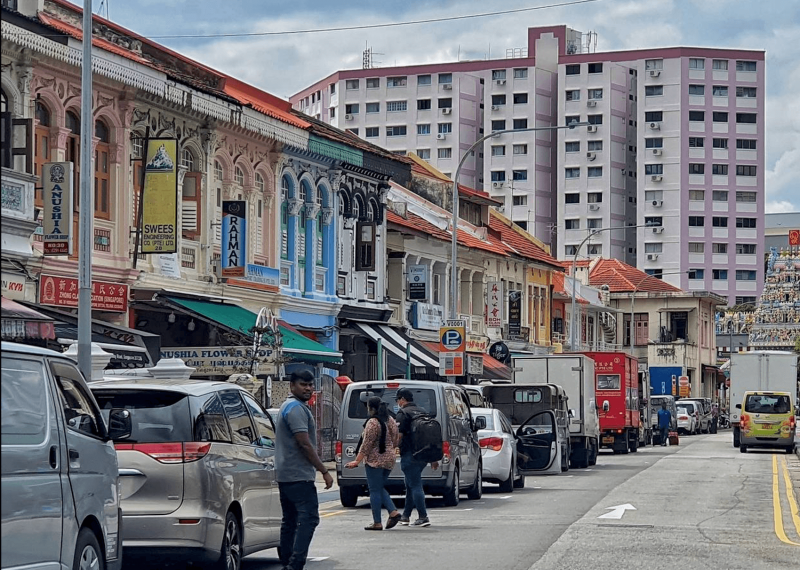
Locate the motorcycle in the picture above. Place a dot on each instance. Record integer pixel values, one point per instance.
(724, 421)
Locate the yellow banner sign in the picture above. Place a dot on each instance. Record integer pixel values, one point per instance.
(160, 200)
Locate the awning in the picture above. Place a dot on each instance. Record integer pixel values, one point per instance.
(241, 320)
(20, 323)
(495, 370)
(395, 342)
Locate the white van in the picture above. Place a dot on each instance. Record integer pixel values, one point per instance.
(60, 490)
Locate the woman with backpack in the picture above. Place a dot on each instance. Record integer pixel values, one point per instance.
(377, 450)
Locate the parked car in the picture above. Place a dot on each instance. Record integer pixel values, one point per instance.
(704, 412)
(273, 413)
(687, 422)
(197, 473)
(476, 397)
(696, 409)
(498, 450)
(59, 469)
(767, 420)
(449, 405)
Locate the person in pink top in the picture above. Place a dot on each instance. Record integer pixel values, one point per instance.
(377, 450)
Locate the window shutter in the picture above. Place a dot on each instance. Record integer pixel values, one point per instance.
(260, 231)
(189, 216)
(365, 246)
(217, 229)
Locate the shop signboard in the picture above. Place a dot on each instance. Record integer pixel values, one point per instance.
(452, 343)
(160, 197)
(262, 274)
(57, 195)
(221, 360)
(234, 238)
(418, 282)
(63, 292)
(426, 316)
(514, 313)
(494, 304)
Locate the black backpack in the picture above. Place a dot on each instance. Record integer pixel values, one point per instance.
(426, 438)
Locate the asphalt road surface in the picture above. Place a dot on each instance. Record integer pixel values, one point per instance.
(700, 505)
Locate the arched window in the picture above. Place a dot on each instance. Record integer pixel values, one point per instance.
(191, 207)
(187, 159)
(260, 182)
(218, 172)
(285, 217)
(239, 175)
(102, 180)
(41, 146)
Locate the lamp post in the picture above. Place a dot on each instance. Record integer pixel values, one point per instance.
(454, 251)
(574, 262)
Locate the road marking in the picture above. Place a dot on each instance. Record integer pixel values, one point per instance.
(506, 497)
(790, 495)
(776, 504)
(317, 558)
(617, 512)
(332, 514)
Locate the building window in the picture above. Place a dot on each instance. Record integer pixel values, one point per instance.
(745, 66)
(498, 125)
(746, 144)
(572, 146)
(373, 107)
(719, 91)
(332, 112)
(720, 143)
(445, 78)
(749, 197)
(653, 169)
(520, 149)
(498, 74)
(744, 170)
(697, 168)
(498, 176)
(102, 177)
(653, 221)
(372, 132)
(697, 195)
(572, 198)
(520, 124)
(653, 64)
(392, 82)
(572, 224)
(695, 247)
(351, 109)
(658, 142)
(519, 175)
(396, 131)
(696, 274)
(424, 79)
(423, 104)
(498, 150)
(697, 89)
(719, 222)
(520, 98)
(719, 248)
(745, 300)
(743, 275)
(519, 200)
(697, 116)
(396, 106)
(351, 84)
(573, 95)
(654, 91)
(595, 119)
(424, 129)
(696, 142)
(595, 68)
(424, 153)
(595, 172)
(746, 248)
(653, 116)
(445, 128)
(746, 118)
(521, 73)
(719, 116)
(574, 69)
(719, 65)
(239, 176)
(657, 273)
(373, 82)
(445, 153)
(720, 195)
(594, 223)
(746, 223)
(696, 63)
(570, 250)
(719, 169)
(353, 130)
(594, 197)
(445, 103)
(594, 145)
(697, 221)
(719, 274)
(572, 172)
(595, 94)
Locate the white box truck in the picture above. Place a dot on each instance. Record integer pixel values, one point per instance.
(575, 374)
(760, 370)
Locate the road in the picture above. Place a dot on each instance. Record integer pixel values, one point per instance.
(702, 505)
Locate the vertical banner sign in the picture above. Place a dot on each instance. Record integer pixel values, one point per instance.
(57, 194)
(794, 237)
(160, 199)
(514, 313)
(234, 237)
(417, 282)
(494, 304)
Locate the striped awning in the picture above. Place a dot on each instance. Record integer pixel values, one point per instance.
(395, 341)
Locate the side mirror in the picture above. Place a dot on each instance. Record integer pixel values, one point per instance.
(606, 406)
(479, 423)
(119, 424)
(738, 406)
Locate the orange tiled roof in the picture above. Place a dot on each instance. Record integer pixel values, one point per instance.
(419, 224)
(621, 277)
(262, 102)
(519, 243)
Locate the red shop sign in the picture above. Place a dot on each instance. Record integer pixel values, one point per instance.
(63, 292)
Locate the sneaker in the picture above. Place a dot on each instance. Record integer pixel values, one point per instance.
(392, 521)
(404, 521)
(422, 522)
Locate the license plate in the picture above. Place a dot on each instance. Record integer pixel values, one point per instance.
(608, 439)
(766, 426)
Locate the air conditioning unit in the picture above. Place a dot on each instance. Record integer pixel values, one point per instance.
(447, 110)
(657, 152)
(497, 184)
(591, 128)
(655, 126)
(447, 86)
(495, 107)
(441, 136)
(652, 256)
(501, 82)
(658, 230)
(591, 103)
(656, 178)
(591, 155)
(594, 207)
(348, 117)
(655, 72)
(658, 203)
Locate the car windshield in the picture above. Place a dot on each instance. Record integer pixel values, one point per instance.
(489, 420)
(157, 416)
(767, 404)
(424, 398)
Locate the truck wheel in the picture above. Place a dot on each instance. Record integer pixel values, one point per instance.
(348, 496)
(743, 448)
(565, 461)
(452, 495)
(736, 435)
(594, 452)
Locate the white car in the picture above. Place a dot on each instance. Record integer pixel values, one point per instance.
(687, 421)
(498, 450)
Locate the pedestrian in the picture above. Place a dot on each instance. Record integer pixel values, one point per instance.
(664, 419)
(377, 450)
(411, 466)
(714, 417)
(296, 464)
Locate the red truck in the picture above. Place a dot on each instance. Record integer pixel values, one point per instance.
(617, 383)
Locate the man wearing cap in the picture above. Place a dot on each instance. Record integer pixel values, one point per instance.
(296, 466)
(412, 467)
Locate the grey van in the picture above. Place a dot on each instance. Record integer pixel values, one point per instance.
(60, 491)
(197, 473)
(449, 404)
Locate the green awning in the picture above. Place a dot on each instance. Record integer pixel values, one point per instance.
(240, 320)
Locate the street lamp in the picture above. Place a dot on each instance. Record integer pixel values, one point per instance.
(454, 252)
(574, 262)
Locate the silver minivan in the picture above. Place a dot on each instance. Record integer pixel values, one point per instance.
(197, 473)
(60, 491)
(460, 469)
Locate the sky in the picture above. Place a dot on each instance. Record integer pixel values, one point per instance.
(284, 64)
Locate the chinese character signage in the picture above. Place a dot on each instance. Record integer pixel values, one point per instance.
(417, 282)
(63, 292)
(160, 198)
(57, 194)
(514, 313)
(494, 304)
(234, 237)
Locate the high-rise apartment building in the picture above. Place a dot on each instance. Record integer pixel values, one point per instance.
(676, 139)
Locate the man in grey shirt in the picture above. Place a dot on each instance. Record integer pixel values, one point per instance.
(296, 464)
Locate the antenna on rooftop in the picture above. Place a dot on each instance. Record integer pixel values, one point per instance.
(367, 60)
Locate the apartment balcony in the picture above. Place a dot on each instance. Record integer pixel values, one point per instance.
(674, 353)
